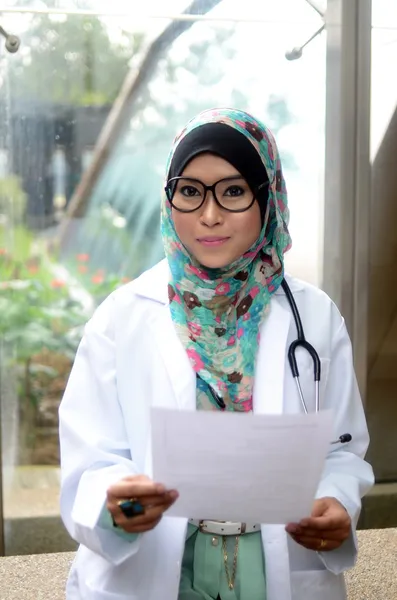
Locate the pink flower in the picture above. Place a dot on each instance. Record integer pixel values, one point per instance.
(218, 319)
(82, 269)
(246, 317)
(195, 358)
(57, 283)
(254, 292)
(271, 288)
(222, 289)
(199, 272)
(97, 278)
(3, 251)
(82, 257)
(240, 332)
(246, 404)
(231, 341)
(175, 246)
(194, 328)
(222, 387)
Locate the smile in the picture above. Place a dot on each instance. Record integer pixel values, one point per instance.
(211, 242)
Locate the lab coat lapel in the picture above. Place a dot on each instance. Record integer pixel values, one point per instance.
(153, 285)
(268, 394)
(179, 369)
(269, 399)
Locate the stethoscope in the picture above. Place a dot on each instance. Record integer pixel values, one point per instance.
(303, 343)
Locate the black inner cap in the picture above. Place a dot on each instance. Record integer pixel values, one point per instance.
(231, 145)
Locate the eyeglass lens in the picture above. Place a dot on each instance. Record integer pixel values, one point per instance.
(189, 194)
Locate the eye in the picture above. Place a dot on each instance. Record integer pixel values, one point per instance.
(189, 191)
(234, 191)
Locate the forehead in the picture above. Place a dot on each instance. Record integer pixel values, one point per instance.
(209, 167)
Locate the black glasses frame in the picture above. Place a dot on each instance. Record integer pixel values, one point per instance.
(209, 188)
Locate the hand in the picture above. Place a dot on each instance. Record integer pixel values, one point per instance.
(153, 496)
(328, 524)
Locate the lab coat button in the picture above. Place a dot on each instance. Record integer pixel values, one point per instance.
(214, 541)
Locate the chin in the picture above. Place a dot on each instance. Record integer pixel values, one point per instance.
(214, 262)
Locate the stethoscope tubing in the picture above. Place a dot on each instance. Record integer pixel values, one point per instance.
(302, 343)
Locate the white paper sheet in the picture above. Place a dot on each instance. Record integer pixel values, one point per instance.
(240, 466)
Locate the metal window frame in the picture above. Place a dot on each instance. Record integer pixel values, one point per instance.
(347, 169)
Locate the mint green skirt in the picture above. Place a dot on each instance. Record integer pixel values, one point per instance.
(203, 573)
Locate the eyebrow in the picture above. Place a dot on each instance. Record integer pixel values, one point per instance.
(229, 177)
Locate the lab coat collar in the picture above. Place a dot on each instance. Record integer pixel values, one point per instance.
(153, 284)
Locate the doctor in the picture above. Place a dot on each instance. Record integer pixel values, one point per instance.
(208, 329)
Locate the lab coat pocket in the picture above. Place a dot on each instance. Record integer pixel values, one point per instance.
(316, 585)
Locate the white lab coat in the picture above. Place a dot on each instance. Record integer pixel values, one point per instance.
(130, 359)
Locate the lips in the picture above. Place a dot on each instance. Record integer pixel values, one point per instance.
(212, 240)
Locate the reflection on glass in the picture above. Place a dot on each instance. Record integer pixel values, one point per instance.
(65, 246)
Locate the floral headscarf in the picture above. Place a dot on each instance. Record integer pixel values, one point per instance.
(218, 312)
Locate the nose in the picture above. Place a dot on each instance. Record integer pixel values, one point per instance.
(211, 213)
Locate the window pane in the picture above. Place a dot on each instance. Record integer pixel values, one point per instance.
(65, 246)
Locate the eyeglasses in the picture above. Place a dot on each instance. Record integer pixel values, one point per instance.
(231, 193)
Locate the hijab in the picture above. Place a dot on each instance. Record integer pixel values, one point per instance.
(217, 313)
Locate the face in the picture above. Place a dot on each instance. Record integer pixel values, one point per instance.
(213, 235)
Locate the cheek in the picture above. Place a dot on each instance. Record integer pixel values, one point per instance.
(249, 227)
(184, 225)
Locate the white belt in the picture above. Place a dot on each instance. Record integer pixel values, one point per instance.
(224, 527)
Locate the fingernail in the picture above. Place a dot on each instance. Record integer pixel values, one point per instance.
(160, 488)
(174, 494)
(304, 523)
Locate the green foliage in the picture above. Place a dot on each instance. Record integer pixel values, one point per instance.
(12, 198)
(41, 315)
(72, 60)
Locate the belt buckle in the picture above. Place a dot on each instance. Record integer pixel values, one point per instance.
(201, 526)
(240, 525)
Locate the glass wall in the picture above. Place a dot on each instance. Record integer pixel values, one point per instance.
(81, 176)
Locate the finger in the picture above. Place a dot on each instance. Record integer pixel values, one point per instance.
(151, 500)
(315, 544)
(152, 513)
(162, 504)
(135, 488)
(334, 521)
(163, 500)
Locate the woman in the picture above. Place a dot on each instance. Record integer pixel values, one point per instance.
(207, 328)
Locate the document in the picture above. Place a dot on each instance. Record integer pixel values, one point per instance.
(239, 466)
